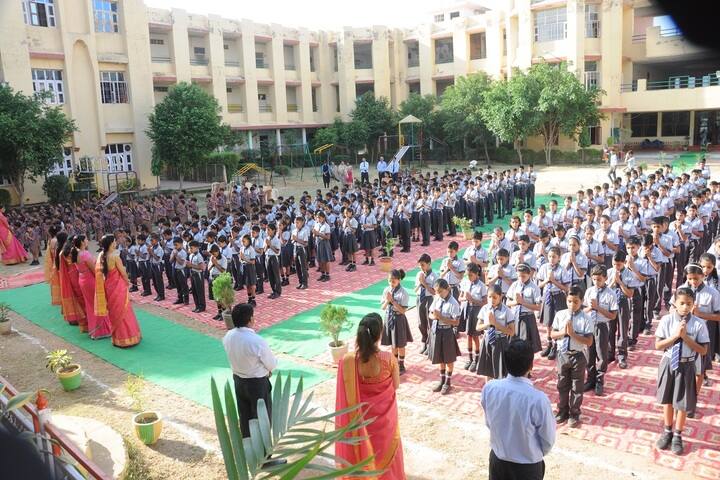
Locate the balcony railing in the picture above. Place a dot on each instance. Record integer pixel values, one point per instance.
(289, 66)
(198, 61)
(362, 64)
(162, 60)
(664, 32)
(235, 108)
(293, 107)
(592, 80)
(677, 82)
(232, 63)
(265, 108)
(261, 64)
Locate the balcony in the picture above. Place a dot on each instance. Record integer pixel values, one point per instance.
(680, 92)
(161, 60)
(290, 66)
(232, 63)
(592, 80)
(198, 61)
(664, 42)
(293, 107)
(265, 108)
(235, 108)
(261, 64)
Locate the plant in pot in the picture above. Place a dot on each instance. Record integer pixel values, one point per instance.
(466, 225)
(225, 296)
(385, 261)
(5, 321)
(147, 424)
(333, 320)
(60, 363)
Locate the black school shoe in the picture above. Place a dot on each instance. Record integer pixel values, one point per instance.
(574, 421)
(676, 446)
(553, 353)
(598, 389)
(561, 417)
(178, 301)
(589, 386)
(34, 262)
(547, 350)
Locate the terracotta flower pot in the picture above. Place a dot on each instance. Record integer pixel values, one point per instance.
(385, 264)
(468, 234)
(148, 427)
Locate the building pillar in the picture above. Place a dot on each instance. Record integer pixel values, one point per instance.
(658, 131)
(249, 141)
(304, 136)
(278, 140)
(691, 132)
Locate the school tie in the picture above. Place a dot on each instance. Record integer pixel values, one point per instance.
(565, 344)
(675, 355)
(548, 297)
(491, 336)
(593, 313)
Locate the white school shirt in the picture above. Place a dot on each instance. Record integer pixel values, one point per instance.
(503, 316)
(364, 167)
(606, 299)
(274, 243)
(582, 262)
(248, 353)
(214, 271)
(561, 276)
(582, 325)
(707, 298)
(509, 272)
(695, 327)
(448, 307)
(528, 257)
(451, 277)
(612, 236)
(248, 253)
(530, 293)
(476, 289)
(479, 253)
(430, 279)
(400, 296)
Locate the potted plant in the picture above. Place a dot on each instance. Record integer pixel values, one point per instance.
(5, 321)
(60, 363)
(333, 320)
(147, 424)
(385, 261)
(466, 225)
(225, 296)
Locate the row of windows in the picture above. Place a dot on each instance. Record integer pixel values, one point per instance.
(41, 13)
(674, 124)
(118, 158)
(113, 87)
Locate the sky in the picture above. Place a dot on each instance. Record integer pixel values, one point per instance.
(314, 14)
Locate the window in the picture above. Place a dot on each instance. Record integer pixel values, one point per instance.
(49, 81)
(592, 21)
(363, 55)
(439, 17)
(228, 90)
(413, 54)
(65, 167)
(550, 24)
(39, 13)
(314, 98)
(454, 15)
(595, 135)
(199, 51)
(106, 16)
(337, 98)
(263, 104)
(157, 41)
(161, 88)
(644, 125)
(119, 157)
(592, 76)
(4, 180)
(313, 52)
(113, 88)
(442, 85)
(675, 124)
(414, 87)
(226, 46)
(444, 50)
(289, 57)
(260, 60)
(478, 46)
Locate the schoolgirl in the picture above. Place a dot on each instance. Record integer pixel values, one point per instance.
(218, 264)
(258, 243)
(443, 348)
(498, 323)
(473, 295)
(526, 297)
(368, 240)
(396, 329)
(502, 273)
(248, 258)
(349, 239)
(322, 233)
(453, 269)
(554, 280)
(300, 238)
(575, 263)
(424, 288)
(476, 254)
(273, 248)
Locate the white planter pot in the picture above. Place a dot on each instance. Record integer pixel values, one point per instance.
(227, 317)
(338, 352)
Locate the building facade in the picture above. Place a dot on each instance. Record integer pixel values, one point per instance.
(108, 62)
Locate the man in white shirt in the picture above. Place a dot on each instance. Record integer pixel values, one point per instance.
(364, 171)
(251, 362)
(520, 419)
(381, 168)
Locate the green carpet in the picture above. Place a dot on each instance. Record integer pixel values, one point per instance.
(170, 355)
(299, 335)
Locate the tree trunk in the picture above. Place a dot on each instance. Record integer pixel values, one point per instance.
(181, 180)
(487, 154)
(20, 187)
(548, 151)
(516, 144)
(582, 156)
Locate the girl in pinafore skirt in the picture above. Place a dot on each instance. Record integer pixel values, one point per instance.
(526, 297)
(247, 258)
(368, 240)
(499, 325)
(322, 233)
(443, 348)
(473, 295)
(396, 330)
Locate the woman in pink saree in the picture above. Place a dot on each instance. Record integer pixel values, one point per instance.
(371, 376)
(112, 298)
(97, 326)
(11, 250)
(71, 302)
(52, 276)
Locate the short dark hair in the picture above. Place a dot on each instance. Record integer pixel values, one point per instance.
(519, 357)
(242, 313)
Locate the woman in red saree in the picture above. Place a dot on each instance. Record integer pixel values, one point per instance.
(112, 298)
(97, 326)
(11, 250)
(371, 376)
(52, 276)
(70, 292)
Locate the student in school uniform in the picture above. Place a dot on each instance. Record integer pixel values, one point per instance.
(424, 287)
(498, 323)
(132, 265)
(143, 261)
(218, 264)
(623, 282)
(682, 337)
(554, 282)
(572, 329)
(476, 254)
(368, 240)
(502, 273)
(349, 239)
(179, 260)
(322, 232)
(300, 238)
(708, 263)
(575, 263)
(157, 261)
(443, 348)
(273, 248)
(396, 329)
(652, 256)
(258, 243)
(286, 251)
(601, 306)
(452, 269)
(196, 263)
(473, 295)
(248, 259)
(167, 245)
(526, 297)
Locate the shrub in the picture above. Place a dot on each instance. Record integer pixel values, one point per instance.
(283, 170)
(5, 198)
(127, 185)
(57, 189)
(231, 160)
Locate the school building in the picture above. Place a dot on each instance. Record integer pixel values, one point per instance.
(107, 62)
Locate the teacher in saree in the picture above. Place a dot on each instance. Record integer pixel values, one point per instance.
(11, 250)
(371, 376)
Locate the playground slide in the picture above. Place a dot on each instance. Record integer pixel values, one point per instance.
(398, 156)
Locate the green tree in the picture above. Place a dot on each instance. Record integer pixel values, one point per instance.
(354, 135)
(32, 135)
(462, 111)
(376, 115)
(426, 109)
(185, 128)
(564, 105)
(329, 134)
(508, 109)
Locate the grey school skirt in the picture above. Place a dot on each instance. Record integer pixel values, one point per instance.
(396, 331)
(324, 252)
(249, 274)
(442, 345)
(528, 331)
(368, 241)
(491, 360)
(676, 387)
(469, 319)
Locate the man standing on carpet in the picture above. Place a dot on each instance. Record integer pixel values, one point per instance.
(520, 419)
(252, 363)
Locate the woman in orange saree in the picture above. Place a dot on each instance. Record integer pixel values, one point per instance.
(52, 276)
(112, 298)
(371, 376)
(97, 326)
(11, 250)
(73, 305)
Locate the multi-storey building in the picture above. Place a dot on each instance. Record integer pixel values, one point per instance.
(108, 62)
